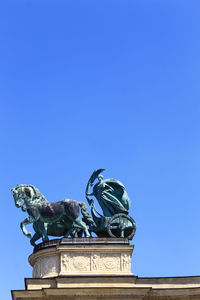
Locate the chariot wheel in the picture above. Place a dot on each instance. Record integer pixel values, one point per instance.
(121, 225)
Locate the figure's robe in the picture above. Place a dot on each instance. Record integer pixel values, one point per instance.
(112, 197)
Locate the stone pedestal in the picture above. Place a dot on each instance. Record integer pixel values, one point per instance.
(97, 269)
(82, 256)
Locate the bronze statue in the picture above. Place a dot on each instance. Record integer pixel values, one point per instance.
(56, 219)
(114, 202)
(110, 193)
(63, 218)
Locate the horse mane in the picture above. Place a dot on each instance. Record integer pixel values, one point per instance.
(37, 193)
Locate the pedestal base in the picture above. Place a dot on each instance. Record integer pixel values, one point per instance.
(82, 256)
(97, 269)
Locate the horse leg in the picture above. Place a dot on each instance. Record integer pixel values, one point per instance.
(23, 224)
(82, 225)
(73, 231)
(45, 236)
(36, 237)
(42, 231)
(68, 233)
(37, 234)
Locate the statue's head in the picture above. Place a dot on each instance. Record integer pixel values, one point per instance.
(20, 194)
(24, 194)
(100, 178)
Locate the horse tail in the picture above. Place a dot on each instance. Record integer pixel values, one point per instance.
(86, 216)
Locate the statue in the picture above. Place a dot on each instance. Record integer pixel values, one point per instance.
(110, 193)
(114, 202)
(56, 219)
(63, 218)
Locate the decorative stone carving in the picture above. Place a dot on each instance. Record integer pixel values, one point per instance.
(78, 259)
(94, 262)
(81, 263)
(65, 262)
(125, 262)
(110, 263)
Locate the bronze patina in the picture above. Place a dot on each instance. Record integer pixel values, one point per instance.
(70, 218)
(114, 202)
(50, 218)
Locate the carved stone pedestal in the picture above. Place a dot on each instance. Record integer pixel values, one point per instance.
(97, 269)
(82, 256)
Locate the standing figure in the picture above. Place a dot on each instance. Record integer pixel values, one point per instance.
(65, 262)
(94, 262)
(110, 193)
(125, 262)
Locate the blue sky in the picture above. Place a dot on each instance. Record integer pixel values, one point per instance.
(103, 84)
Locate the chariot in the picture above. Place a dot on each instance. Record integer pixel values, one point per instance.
(117, 226)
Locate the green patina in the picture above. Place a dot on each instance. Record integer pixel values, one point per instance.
(63, 218)
(114, 202)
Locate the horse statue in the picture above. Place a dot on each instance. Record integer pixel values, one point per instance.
(50, 218)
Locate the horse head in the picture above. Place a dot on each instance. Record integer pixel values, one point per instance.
(19, 196)
(24, 194)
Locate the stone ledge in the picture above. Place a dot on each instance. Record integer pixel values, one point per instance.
(81, 281)
(81, 241)
(116, 293)
(155, 283)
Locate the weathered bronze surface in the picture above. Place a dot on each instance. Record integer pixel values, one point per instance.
(114, 202)
(63, 218)
(56, 219)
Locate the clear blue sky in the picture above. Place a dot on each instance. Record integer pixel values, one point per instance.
(103, 84)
